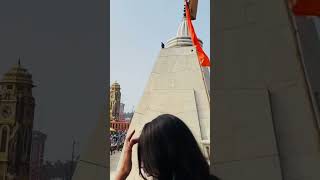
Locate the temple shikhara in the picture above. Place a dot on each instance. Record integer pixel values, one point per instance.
(179, 85)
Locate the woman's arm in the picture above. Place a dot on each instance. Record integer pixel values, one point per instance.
(126, 163)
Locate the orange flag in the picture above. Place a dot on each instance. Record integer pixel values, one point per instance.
(305, 7)
(203, 58)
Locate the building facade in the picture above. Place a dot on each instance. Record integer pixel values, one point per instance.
(122, 125)
(16, 121)
(117, 119)
(115, 98)
(121, 111)
(37, 152)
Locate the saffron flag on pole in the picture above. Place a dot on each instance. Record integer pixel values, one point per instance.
(203, 58)
(305, 7)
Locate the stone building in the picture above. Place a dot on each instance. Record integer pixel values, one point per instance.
(117, 121)
(115, 98)
(16, 121)
(177, 85)
(37, 153)
(121, 125)
(121, 111)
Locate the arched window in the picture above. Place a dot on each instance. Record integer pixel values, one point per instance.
(26, 140)
(4, 139)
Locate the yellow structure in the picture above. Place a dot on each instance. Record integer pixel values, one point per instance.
(115, 97)
(16, 122)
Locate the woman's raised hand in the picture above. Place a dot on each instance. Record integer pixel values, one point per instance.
(126, 163)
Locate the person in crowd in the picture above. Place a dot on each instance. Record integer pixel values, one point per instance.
(167, 150)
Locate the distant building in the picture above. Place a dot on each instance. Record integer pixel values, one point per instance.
(121, 112)
(117, 115)
(58, 170)
(115, 98)
(122, 125)
(37, 152)
(16, 121)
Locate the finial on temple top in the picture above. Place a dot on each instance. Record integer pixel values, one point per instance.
(19, 61)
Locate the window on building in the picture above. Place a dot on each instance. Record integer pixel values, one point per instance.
(20, 88)
(9, 86)
(3, 145)
(26, 140)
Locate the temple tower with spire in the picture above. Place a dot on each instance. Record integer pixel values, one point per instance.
(16, 122)
(115, 99)
(177, 85)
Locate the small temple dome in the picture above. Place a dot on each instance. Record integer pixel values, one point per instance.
(182, 37)
(115, 85)
(183, 29)
(18, 75)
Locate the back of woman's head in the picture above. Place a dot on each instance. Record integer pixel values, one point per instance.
(167, 150)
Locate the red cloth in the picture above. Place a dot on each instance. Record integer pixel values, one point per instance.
(306, 7)
(203, 58)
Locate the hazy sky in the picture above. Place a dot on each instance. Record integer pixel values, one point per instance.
(137, 30)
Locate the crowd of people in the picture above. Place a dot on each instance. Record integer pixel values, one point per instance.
(117, 140)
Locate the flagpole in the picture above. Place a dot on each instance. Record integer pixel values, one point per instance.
(190, 26)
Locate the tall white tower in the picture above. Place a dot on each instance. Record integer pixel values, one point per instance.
(177, 85)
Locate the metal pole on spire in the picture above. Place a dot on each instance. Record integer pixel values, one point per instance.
(19, 61)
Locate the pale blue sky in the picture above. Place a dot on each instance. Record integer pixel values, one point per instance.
(137, 29)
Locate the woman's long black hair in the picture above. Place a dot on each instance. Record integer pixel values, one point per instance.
(167, 150)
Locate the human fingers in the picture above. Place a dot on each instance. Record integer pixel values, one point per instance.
(133, 142)
(130, 136)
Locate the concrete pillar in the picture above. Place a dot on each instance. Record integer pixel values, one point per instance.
(264, 125)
